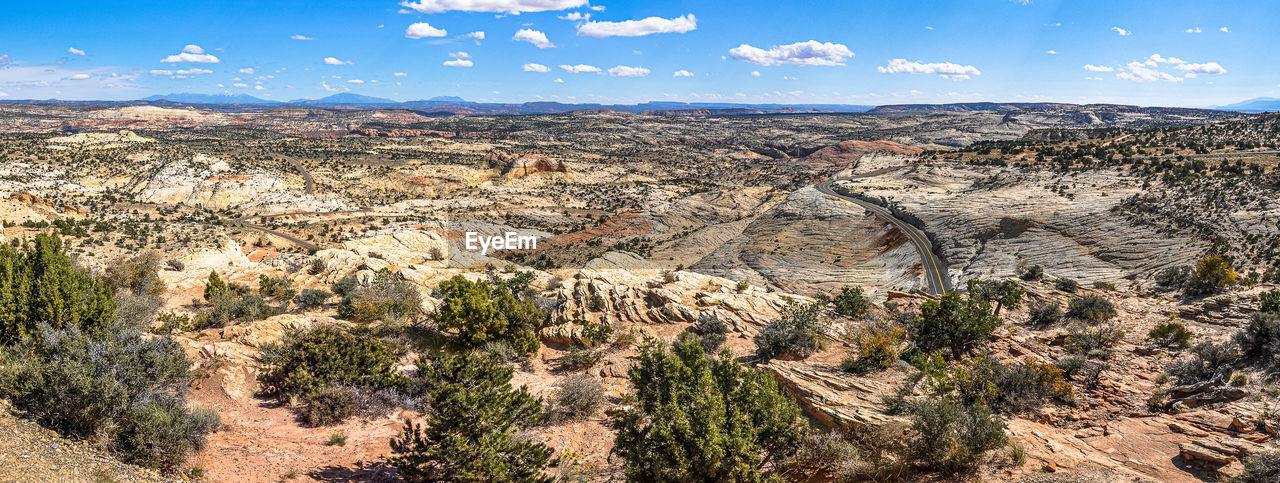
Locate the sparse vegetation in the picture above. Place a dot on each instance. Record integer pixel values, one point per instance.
(799, 331)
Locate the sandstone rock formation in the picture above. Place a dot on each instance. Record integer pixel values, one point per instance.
(510, 165)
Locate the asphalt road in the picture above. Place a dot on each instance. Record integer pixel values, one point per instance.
(935, 269)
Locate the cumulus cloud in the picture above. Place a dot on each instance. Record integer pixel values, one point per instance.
(1205, 68)
(300, 37)
(682, 73)
(532, 67)
(457, 63)
(580, 68)
(799, 53)
(1224, 30)
(534, 37)
(73, 50)
(423, 29)
(755, 73)
(460, 55)
(355, 81)
(1098, 68)
(79, 76)
(575, 16)
(1122, 32)
(399, 74)
(636, 28)
(246, 70)
(335, 61)
(1143, 72)
(946, 70)
(559, 80)
(239, 84)
(1051, 52)
(478, 35)
(1193, 30)
(626, 71)
(194, 71)
(160, 72)
(191, 53)
(260, 88)
(514, 7)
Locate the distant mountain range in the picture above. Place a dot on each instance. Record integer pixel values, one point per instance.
(458, 105)
(1257, 104)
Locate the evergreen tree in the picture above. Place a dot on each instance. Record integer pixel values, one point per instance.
(40, 284)
(215, 287)
(698, 418)
(473, 423)
(954, 323)
(478, 313)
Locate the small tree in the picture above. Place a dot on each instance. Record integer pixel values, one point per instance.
(473, 423)
(478, 314)
(851, 302)
(1090, 308)
(215, 287)
(1211, 274)
(798, 331)
(307, 361)
(954, 323)
(1004, 294)
(698, 418)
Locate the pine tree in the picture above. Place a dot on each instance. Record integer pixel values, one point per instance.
(40, 284)
(215, 287)
(954, 323)
(698, 418)
(473, 421)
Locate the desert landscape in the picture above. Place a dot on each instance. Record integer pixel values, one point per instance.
(1103, 305)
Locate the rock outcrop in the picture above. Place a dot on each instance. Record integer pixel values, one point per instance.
(510, 165)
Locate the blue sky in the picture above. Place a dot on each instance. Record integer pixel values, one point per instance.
(1184, 53)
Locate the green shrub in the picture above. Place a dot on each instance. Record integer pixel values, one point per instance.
(1261, 338)
(311, 298)
(1212, 274)
(501, 350)
(329, 405)
(1208, 360)
(1045, 314)
(742, 286)
(1173, 278)
(1032, 273)
(952, 438)
(798, 331)
(275, 288)
(385, 297)
(1071, 365)
(304, 362)
(953, 323)
(1108, 286)
(711, 331)
(851, 302)
(116, 388)
(698, 418)
(39, 284)
(338, 439)
(578, 358)
(577, 396)
(228, 306)
(476, 313)
(1239, 379)
(596, 333)
(316, 267)
(344, 287)
(1003, 294)
(1090, 308)
(982, 380)
(1093, 340)
(1171, 334)
(1269, 302)
(473, 425)
(1066, 285)
(1260, 467)
(879, 344)
(825, 456)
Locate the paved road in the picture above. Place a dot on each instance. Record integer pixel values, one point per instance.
(935, 269)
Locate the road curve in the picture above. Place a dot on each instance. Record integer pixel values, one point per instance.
(935, 269)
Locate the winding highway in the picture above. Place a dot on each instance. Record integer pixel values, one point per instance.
(935, 270)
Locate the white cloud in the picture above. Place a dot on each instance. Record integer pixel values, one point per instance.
(73, 50)
(335, 61)
(799, 53)
(1098, 68)
(534, 37)
(575, 16)
(636, 28)
(926, 27)
(626, 71)
(1192, 30)
(327, 87)
(260, 88)
(478, 35)
(239, 84)
(1225, 30)
(597, 8)
(559, 80)
(79, 76)
(460, 55)
(682, 73)
(160, 72)
(193, 71)
(580, 68)
(246, 70)
(1143, 72)
(458, 63)
(399, 74)
(755, 73)
(532, 67)
(191, 53)
(1051, 52)
(4, 94)
(300, 37)
(946, 70)
(423, 29)
(496, 6)
(355, 81)
(1122, 32)
(1205, 68)
(1158, 59)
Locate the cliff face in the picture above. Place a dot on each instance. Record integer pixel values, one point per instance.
(510, 165)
